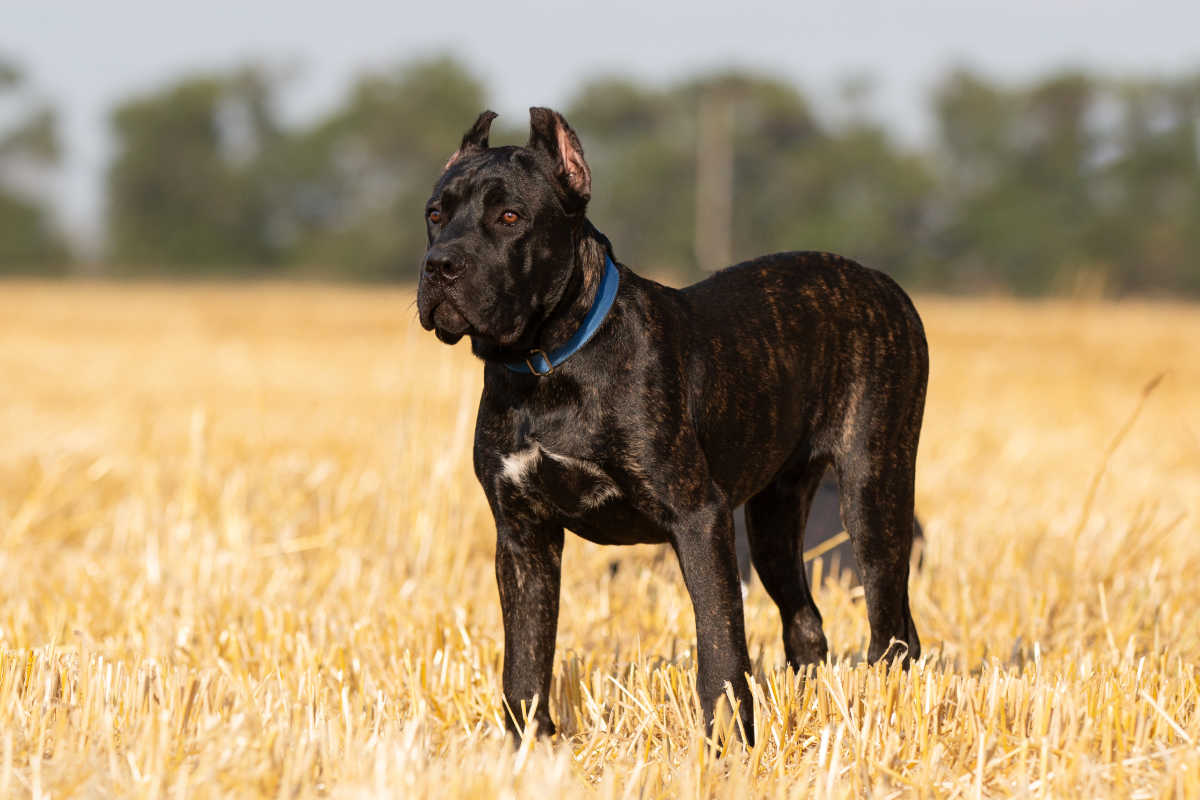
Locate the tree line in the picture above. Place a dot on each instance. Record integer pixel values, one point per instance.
(1073, 182)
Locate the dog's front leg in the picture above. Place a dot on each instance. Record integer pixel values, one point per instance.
(528, 569)
(704, 543)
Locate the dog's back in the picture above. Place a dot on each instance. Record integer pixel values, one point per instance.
(839, 342)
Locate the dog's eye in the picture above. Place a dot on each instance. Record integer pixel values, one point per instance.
(509, 217)
(434, 215)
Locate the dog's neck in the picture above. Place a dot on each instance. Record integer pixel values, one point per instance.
(566, 315)
(566, 311)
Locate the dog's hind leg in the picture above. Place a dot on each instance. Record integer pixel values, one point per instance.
(775, 520)
(877, 504)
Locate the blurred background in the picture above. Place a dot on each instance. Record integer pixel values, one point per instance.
(242, 548)
(1020, 147)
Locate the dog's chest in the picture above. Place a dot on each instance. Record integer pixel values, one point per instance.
(555, 482)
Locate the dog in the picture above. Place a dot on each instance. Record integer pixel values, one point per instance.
(630, 412)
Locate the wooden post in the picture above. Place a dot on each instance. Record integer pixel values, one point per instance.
(714, 181)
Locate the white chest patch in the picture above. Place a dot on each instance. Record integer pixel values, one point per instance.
(521, 468)
(515, 467)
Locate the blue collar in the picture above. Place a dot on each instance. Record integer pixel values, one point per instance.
(539, 362)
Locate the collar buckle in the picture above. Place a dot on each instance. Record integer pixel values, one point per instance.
(605, 295)
(529, 362)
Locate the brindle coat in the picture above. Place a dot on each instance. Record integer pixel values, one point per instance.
(742, 388)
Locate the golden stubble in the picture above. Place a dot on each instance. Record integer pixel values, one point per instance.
(243, 553)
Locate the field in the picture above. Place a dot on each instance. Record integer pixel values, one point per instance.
(243, 553)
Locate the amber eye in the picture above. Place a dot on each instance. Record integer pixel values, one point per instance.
(509, 217)
(434, 215)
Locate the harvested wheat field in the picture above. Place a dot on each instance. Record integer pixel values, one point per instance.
(243, 553)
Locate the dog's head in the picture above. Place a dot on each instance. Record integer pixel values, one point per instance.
(503, 224)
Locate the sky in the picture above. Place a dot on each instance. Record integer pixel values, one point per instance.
(86, 57)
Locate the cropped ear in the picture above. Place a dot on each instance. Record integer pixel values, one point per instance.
(550, 133)
(474, 139)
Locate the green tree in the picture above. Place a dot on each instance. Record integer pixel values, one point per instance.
(29, 242)
(186, 192)
(640, 144)
(804, 184)
(1148, 190)
(1072, 177)
(1017, 181)
(793, 182)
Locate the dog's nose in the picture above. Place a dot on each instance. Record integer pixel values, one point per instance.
(442, 266)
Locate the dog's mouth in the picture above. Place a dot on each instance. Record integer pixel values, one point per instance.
(450, 325)
(450, 321)
(447, 323)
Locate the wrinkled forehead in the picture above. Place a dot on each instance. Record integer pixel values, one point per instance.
(500, 174)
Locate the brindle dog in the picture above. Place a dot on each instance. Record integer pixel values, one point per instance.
(627, 411)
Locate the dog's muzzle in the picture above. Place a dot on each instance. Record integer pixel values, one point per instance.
(439, 270)
(439, 315)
